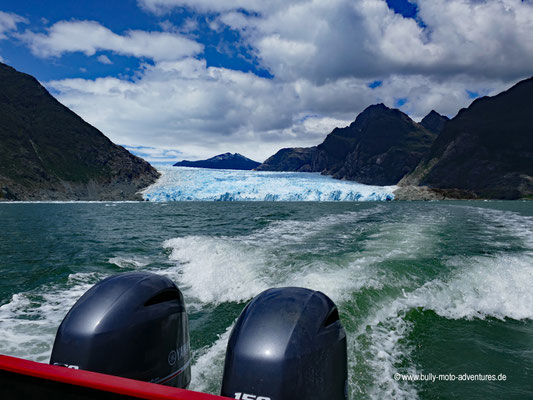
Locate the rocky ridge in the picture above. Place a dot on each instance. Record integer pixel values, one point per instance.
(486, 150)
(222, 161)
(47, 152)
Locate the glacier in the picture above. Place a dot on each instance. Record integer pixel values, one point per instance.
(201, 184)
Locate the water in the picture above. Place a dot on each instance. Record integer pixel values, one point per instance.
(437, 287)
(202, 184)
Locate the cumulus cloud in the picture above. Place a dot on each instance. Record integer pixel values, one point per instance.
(155, 155)
(200, 111)
(365, 38)
(489, 38)
(204, 110)
(329, 40)
(9, 22)
(163, 6)
(89, 37)
(104, 59)
(322, 56)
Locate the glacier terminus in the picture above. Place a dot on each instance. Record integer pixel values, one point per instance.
(201, 184)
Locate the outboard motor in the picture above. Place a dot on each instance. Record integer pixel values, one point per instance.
(132, 325)
(287, 344)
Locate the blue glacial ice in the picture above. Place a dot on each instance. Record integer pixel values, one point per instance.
(200, 184)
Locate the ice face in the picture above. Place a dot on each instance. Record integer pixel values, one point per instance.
(200, 184)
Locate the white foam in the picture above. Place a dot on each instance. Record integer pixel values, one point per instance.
(491, 286)
(30, 320)
(214, 266)
(386, 350)
(498, 287)
(200, 184)
(512, 223)
(293, 231)
(212, 270)
(229, 269)
(129, 262)
(208, 365)
(235, 269)
(216, 270)
(414, 235)
(482, 287)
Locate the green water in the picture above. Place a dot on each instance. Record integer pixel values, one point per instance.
(441, 288)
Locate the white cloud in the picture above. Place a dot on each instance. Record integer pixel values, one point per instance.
(188, 25)
(364, 38)
(89, 37)
(322, 55)
(9, 22)
(163, 6)
(153, 154)
(200, 111)
(104, 59)
(324, 41)
(205, 111)
(485, 39)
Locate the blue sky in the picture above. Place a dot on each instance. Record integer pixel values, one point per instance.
(174, 79)
(119, 17)
(122, 16)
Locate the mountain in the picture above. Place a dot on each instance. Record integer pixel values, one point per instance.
(380, 147)
(47, 152)
(290, 159)
(486, 150)
(222, 161)
(434, 122)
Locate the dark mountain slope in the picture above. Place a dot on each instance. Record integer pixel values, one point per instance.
(290, 159)
(486, 149)
(222, 161)
(47, 152)
(378, 148)
(434, 122)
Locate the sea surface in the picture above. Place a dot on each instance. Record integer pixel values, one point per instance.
(422, 287)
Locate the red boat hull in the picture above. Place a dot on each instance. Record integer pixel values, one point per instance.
(23, 379)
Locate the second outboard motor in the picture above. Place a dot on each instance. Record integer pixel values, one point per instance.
(132, 325)
(287, 344)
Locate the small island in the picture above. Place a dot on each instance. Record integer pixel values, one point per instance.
(222, 161)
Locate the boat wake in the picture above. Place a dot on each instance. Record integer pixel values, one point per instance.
(376, 266)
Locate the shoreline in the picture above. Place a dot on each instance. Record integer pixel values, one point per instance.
(425, 193)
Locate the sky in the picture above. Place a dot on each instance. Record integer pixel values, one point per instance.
(189, 79)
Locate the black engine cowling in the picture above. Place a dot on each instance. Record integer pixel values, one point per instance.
(288, 343)
(132, 325)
